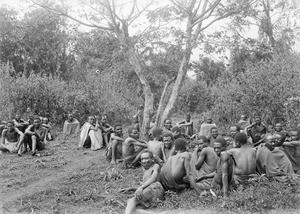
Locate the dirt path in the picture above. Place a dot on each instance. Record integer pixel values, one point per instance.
(75, 164)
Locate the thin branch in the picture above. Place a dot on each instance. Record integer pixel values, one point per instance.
(132, 9)
(58, 12)
(209, 10)
(140, 12)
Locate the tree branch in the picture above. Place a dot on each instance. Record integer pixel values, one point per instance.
(61, 13)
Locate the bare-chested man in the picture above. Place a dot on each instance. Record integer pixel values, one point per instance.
(169, 148)
(132, 155)
(205, 164)
(214, 134)
(114, 148)
(244, 159)
(187, 124)
(257, 131)
(156, 146)
(151, 191)
(167, 126)
(177, 168)
(34, 136)
(224, 171)
(11, 139)
(106, 130)
(20, 123)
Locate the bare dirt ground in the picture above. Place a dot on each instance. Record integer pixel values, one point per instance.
(63, 179)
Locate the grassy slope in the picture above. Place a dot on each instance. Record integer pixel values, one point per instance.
(66, 180)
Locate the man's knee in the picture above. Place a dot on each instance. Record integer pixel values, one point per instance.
(33, 137)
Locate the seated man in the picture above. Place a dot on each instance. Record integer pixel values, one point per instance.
(47, 126)
(233, 130)
(243, 122)
(177, 133)
(187, 124)
(177, 169)
(34, 136)
(91, 135)
(71, 125)
(156, 146)
(20, 123)
(203, 163)
(114, 148)
(214, 134)
(106, 130)
(132, 148)
(167, 126)
(244, 159)
(169, 149)
(257, 131)
(11, 139)
(151, 191)
(206, 127)
(224, 170)
(271, 160)
(292, 149)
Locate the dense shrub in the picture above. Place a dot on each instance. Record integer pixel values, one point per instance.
(54, 98)
(262, 89)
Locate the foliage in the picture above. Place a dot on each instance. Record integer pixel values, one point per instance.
(262, 89)
(194, 97)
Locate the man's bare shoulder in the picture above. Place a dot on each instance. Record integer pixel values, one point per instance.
(129, 140)
(207, 150)
(224, 156)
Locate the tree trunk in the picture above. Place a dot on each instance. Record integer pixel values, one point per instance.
(161, 102)
(176, 88)
(149, 96)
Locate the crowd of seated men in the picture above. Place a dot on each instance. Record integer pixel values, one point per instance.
(176, 157)
(18, 135)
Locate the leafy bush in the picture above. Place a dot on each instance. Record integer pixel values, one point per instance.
(52, 97)
(262, 89)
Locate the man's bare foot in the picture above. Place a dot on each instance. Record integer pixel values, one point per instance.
(33, 153)
(113, 162)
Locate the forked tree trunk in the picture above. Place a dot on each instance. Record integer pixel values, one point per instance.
(176, 88)
(149, 96)
(161, 102)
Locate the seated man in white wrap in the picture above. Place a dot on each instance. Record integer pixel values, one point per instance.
(91, 135)
(71, 125)
(203, 163)
(11, 139)
(272, 161)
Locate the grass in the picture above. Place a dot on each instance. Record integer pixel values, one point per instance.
(67, 180)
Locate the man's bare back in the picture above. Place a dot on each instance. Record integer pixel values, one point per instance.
(156, 147)
(178, 168)
(208, 156)
(245, 160)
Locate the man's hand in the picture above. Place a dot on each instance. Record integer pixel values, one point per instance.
(138, 193)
